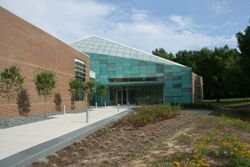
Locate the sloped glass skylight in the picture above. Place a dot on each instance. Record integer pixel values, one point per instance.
(95, 44)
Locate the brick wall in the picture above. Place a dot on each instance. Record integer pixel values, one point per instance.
(32, 50)
(197, 88)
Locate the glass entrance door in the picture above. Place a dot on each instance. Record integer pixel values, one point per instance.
(119, 96)
(122, 96)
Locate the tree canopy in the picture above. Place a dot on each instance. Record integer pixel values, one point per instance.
(45, 83)
(77, 87)
(101, 91)
(91, 85)
(218, 67)
(163, 54)
(11, 82)
(244, 46)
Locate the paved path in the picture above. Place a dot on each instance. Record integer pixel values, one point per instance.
(19, 138)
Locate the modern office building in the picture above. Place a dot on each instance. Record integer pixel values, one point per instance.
(137, 77)
(132, 76)
(33, 50)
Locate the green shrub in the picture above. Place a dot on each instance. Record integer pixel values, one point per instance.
(153, 113)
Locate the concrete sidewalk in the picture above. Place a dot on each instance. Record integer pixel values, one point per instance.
(19, 138)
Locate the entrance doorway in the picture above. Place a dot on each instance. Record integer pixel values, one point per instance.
(122, 96)
(136, 95)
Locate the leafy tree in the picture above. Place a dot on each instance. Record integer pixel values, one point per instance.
(244, 46)
(223, 69)
(218, 68)
(58, 101)
(187, 58)
(23, 102)
(91, 90)
(101, 91)
(45, 83)
(163, 54)
(11, 82)
(77, 88)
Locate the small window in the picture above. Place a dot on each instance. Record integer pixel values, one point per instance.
(176, 77)
(187, 90)
(79, 69)
(103, 62)
(159, 68)
(79, 75)
(111, 65)
(176, 85)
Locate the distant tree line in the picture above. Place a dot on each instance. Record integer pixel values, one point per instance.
(225, 71)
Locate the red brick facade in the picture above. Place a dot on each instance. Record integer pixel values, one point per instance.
(197, 88)
(32, 50)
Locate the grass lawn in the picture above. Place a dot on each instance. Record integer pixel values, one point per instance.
(234, 108)
(229, 100)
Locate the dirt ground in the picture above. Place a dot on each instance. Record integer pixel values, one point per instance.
(182, 140)
(119, 144)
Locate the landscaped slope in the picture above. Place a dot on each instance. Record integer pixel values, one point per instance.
(117, 143)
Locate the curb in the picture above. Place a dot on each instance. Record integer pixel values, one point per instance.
(32, 154)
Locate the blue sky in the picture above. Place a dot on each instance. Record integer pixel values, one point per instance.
(144, 24)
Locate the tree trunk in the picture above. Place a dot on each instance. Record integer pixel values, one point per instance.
(218, 99)
(45, 98)
(8, 106)
(88, 100)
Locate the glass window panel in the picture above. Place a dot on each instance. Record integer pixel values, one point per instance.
(176, 85)
(79, 75)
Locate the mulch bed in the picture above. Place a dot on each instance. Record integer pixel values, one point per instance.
(116, 143)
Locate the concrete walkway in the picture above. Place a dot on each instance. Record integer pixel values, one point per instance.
(19, 138)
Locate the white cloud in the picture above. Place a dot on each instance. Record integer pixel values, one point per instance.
(140, 15)
(64, 19)
(72, 20)
(150, 34)
(220, 7)
(183, 22)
